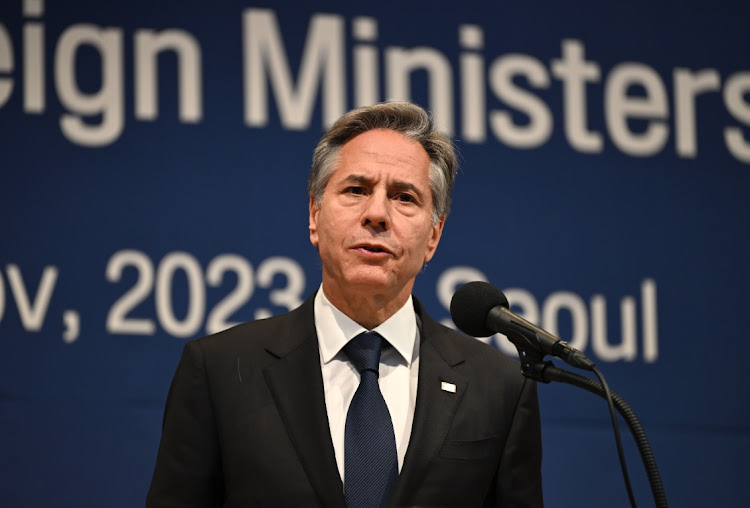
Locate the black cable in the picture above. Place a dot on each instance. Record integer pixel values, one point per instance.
(618, 441)
(547, 372)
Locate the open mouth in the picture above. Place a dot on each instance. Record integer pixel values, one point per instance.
(373, 249)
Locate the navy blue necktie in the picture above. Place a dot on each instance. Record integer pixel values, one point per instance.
(370, 460)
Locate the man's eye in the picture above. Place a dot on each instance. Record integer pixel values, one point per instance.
(405, 198)
(355, 190)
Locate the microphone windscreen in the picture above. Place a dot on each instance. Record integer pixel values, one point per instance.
(472, 303)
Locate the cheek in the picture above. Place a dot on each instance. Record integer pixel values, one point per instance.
(426, 248)
(337, 224)
(332, 230)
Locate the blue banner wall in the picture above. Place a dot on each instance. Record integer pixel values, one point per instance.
(153, 165)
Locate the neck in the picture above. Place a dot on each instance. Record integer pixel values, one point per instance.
(367, 310)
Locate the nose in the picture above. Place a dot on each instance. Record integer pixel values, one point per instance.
(376, 213)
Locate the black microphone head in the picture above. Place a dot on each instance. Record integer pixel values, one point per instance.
(472, 303)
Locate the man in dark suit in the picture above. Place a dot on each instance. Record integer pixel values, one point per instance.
(282, 412)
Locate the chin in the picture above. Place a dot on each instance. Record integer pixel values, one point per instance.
(371, 280)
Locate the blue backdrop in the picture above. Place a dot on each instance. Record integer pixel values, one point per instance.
(154, 160)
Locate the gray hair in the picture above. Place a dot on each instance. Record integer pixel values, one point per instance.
(404, 117)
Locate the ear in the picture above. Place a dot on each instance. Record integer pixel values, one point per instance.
(435, 233)
(313, 225)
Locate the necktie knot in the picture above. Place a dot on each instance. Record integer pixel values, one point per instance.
(364, 351)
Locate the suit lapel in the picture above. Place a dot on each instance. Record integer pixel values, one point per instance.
(296, 384)
(436, 404)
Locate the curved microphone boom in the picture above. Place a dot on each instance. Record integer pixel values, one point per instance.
(480, 309)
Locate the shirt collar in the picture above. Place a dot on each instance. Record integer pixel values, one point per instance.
(335, 329)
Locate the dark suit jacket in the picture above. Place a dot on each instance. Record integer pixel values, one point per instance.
(245, 424)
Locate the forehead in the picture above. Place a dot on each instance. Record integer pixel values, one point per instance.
(383, 150)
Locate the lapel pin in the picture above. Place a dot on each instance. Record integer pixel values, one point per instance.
(447, 387)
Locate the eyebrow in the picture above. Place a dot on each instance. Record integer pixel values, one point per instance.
(358, 179)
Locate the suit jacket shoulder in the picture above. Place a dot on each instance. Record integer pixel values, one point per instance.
(277, 335)
(456, 347)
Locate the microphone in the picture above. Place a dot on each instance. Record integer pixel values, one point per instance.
(480, 309)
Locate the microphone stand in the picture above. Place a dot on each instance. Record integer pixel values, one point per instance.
(533, 366)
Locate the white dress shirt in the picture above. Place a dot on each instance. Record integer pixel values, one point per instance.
(399, 365)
